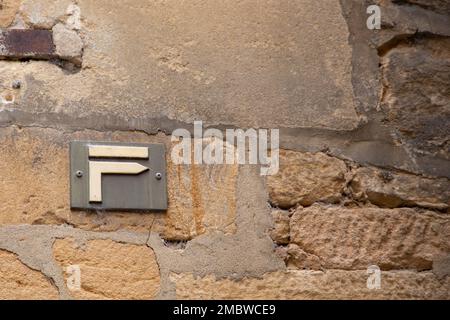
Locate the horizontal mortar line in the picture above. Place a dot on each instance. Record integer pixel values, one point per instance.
(163, 124)
(290, 138)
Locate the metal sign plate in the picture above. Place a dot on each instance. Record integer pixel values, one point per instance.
(117, 176)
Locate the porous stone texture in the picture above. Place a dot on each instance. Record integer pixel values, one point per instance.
(305, 178)
(280, 231)
(441, 267)
(202, 199)
(356, 238)
(390, 189)
(296, 258)
(8, 10)
(19, 282)
(442, 6)
(417, 99)
(110, 270)
(68, 43)
(43, 14)
(331, 284)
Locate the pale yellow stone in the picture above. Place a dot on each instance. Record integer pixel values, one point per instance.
(388, 189)
(8, 10)
(280, 231)
(109, 270)
(35, 188)
(305, 178)
(331, 284)
(19, 282)
(44, 14)
(346, 238)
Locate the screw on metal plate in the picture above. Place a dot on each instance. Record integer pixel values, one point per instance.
(79, 173)
(158, 176)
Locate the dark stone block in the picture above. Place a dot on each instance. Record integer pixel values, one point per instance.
(18, 44)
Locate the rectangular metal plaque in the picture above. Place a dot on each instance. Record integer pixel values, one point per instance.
(117, 176)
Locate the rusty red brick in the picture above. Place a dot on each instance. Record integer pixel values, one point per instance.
(18, 44)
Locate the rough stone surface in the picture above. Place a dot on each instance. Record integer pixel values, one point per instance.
(390, 189)
(356, 238)
(442, 6)
(441, 267)
(332, 284)
(202, 199)
(68, 43)
(305, 178)
(280, 231)
(299, 259)
(19, 282)
(417, 100)
(110, 270)
(43, 14)
(8, 10)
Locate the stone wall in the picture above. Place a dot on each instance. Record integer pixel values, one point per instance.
(364, 118)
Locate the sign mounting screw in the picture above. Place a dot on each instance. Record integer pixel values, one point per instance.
(79, 173)
(158, 176)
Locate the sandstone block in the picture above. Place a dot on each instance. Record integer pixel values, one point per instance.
(441, 6)
(19, 282)
(43, 14)
(109, 270)
(8, 10)
(331, 284)
(388, 189)
(356, 238)
(305, 178)
(299, 259)
(68, 43)
(417, 100)
(280, 231)
(441, 267)
(202, 199)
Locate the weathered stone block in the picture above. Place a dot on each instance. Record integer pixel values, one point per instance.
(19, 44)
(441, 6)
(417, 100)
(202, 199)
(305, 178)
(68, 43)
(390, 189)
(44, 14)
(110, 270)
(280, 231)
(356, 238)
(441, 267)
(299, 259)
(8, 10)
(331, 284)
(19, 282)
